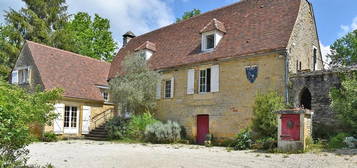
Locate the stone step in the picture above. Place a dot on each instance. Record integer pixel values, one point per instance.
(96, 138)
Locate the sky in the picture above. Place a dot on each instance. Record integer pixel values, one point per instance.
(334, 18)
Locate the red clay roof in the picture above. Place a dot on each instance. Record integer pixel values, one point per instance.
(251, 26)
(78, 75)
(147, 45)
(214, 25)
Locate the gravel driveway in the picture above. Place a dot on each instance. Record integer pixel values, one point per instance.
(92, 154)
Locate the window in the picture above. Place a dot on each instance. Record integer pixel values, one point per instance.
(23, 75)
(314, 58)
(168, 89)
(105, 96)
(210, 41)
(205, 80)
(70, 117)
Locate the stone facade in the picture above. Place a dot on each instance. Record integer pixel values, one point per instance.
(230, 109)
(303, 40)
(319, 84)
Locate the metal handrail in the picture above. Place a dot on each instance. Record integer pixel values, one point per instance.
(102, 115)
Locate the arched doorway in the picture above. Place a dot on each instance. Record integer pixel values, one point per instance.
(305, 99)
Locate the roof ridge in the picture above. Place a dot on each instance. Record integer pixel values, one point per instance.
(210, 11)
(86, 57)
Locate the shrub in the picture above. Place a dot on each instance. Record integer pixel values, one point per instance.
(159, 132)
(18, 110)
(337, 141)
(265, 143)
(137, 125)
(117, 128)
(243, 140)
(264, 122)
(49, 137)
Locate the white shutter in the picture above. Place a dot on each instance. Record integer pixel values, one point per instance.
(58, 122)
(172, 87)
(15, 77)
(158, 90)
(215, 78)
(191, 81)
(86, 119)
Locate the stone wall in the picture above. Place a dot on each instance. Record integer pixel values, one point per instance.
(230, 109)
(319, 83)
(303, 40)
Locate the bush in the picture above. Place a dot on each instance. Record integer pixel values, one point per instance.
(264, 124)
(337, 141)
(49, 137)
(242, 141)
(265, 144)
(159, 132)
(117, 128)
(137, 125)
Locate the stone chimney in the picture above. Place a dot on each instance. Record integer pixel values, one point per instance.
(127, 37)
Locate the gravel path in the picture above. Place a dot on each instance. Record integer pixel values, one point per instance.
(92, 154)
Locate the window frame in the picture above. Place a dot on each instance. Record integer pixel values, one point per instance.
(167, 95)
(204, 81)
(205, 41)
(22, 77)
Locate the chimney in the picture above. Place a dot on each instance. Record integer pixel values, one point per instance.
(127, 37)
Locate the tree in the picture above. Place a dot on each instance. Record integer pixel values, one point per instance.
(344, 102)
(264, 124)
(135, 89)
(344, 50)
(91, 38)
(19, 109)
(188, 15)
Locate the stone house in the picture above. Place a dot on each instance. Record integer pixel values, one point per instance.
(214, 64)
(83, 80)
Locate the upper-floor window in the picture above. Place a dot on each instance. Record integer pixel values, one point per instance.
(205, 80)
(209, 41)
(105, 96)
(168, 89)
(314, 58)
(20, 76)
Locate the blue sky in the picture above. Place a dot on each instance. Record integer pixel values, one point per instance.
(334, 17)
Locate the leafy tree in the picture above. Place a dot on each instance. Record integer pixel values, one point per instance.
(344, 102)
(135, 89)
(344, 50)
(264, 124)
(19, 109)
(188, 15)
(91, 38)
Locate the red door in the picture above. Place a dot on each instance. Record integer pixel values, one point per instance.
(202, 128)
(290, 130)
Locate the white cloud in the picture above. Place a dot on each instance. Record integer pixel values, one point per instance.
(348, 28)
(139, 16)
(325, 50)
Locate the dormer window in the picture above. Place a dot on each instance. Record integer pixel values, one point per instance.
(146, 50)
(212, 34)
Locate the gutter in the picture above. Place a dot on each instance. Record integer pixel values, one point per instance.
(286, 71)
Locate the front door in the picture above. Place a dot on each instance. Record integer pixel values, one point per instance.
(70, 120)
(202, 128)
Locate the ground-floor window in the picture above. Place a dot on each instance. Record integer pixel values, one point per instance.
(205, 80)
(70, 117)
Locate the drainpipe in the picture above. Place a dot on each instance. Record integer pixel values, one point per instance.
(286, 54)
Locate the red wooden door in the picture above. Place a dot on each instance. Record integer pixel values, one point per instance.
(290, 130)
(202, 128)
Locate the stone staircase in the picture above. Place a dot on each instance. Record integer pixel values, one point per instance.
(98, 134)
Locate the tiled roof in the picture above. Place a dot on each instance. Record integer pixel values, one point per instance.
(78, 75)
(251, 26)
(214, 25)
(147, 45)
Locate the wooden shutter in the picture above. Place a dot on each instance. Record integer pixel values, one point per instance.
(191, 81)
(86, 119)
(215, 78)
(158, 90)
(58, 122)
(15, 77)
(172, 87)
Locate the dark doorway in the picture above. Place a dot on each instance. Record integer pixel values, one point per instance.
(305, 99)
(202, 128)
